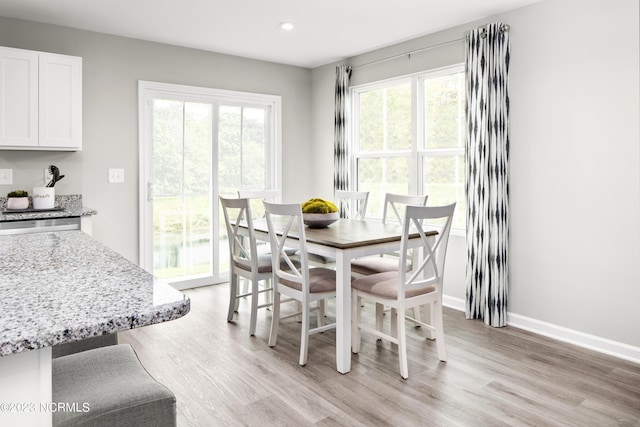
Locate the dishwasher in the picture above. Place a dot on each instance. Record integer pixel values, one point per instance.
(42, 225)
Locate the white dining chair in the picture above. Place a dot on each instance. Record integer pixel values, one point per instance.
(296, 281)
(244, 259)
(256, 197)
(392, 212)
(353, 203)
(401, 290)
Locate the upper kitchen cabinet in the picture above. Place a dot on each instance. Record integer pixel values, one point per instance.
(40, 101)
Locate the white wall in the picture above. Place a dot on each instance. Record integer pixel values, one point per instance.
(112, 67)
(575, 160)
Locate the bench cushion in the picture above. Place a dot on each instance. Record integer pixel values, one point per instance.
(116, 388)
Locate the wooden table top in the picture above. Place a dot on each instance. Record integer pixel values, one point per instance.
(347, 233)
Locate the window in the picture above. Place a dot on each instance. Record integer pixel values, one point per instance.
(409, 139)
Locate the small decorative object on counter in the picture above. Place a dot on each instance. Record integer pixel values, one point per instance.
(43, 197)
(319, 213)
(55, 175)
(18, 199)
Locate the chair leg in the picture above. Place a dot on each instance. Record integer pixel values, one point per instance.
(417, 315)
(298, 306)
(304, 334)
(275, 319)
(321, 312)
(245, 285)
(394, 322)
(269, 294)
(355, 323)
(439, 326)
(379, 318)
(255, 287)
(233, 300)
(429, 313)
(402, 345)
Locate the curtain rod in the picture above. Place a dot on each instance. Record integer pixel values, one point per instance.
(408, 54)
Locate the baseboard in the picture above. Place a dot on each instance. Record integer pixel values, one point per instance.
(560, 333)
(454, 303)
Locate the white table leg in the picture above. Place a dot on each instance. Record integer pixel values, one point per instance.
(343, 312)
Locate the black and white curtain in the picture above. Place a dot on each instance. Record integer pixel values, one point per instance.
(341, 131)
(487, 178)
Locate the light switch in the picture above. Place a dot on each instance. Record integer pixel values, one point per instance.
(116, 176)
(6, 176)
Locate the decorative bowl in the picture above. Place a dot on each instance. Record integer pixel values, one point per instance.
(320, 220)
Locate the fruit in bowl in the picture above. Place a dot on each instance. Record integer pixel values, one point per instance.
(319, 213)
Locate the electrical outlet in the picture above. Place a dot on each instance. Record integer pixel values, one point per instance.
(116, 176)
(6, 176)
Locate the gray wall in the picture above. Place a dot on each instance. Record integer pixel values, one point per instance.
(112, 67)
(575, 159)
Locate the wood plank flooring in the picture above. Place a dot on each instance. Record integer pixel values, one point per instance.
(494, 377)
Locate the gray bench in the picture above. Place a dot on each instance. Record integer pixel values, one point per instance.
(107, 386)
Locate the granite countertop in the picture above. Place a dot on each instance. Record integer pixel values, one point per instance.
(71, 206)
(58, 287)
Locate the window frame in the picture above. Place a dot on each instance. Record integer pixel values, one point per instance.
(418, 153)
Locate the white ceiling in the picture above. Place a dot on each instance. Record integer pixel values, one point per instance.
(326, 30)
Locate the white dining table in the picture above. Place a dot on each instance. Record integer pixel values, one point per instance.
(344, 241)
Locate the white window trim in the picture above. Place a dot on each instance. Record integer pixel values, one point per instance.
(417, 154)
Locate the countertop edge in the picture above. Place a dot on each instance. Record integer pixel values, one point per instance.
(166, 313)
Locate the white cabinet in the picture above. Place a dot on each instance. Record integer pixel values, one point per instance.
(40, 100)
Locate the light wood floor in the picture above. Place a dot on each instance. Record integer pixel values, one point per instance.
(494, 377)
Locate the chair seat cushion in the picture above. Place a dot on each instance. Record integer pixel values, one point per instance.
(375, 264)
(116, 388)
(320, 280)
(264, 264)
(385, 285)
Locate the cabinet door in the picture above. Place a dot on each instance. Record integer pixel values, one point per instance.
(18, 98)
(60, 103)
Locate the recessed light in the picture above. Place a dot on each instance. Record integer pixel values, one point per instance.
(287, 26)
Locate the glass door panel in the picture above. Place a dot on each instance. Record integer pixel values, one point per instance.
(182, 188)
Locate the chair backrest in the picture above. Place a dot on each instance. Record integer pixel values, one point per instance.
(242, 247)
(429, 269)
(283, 221)
(394, 204)
(353, 203)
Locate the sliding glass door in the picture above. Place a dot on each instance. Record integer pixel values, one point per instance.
(196, 145)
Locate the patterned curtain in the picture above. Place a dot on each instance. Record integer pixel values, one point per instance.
(487, 178)
(341, 131)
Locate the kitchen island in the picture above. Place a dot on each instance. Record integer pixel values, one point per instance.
(58, 287)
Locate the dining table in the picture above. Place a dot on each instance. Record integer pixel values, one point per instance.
(345, 240)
